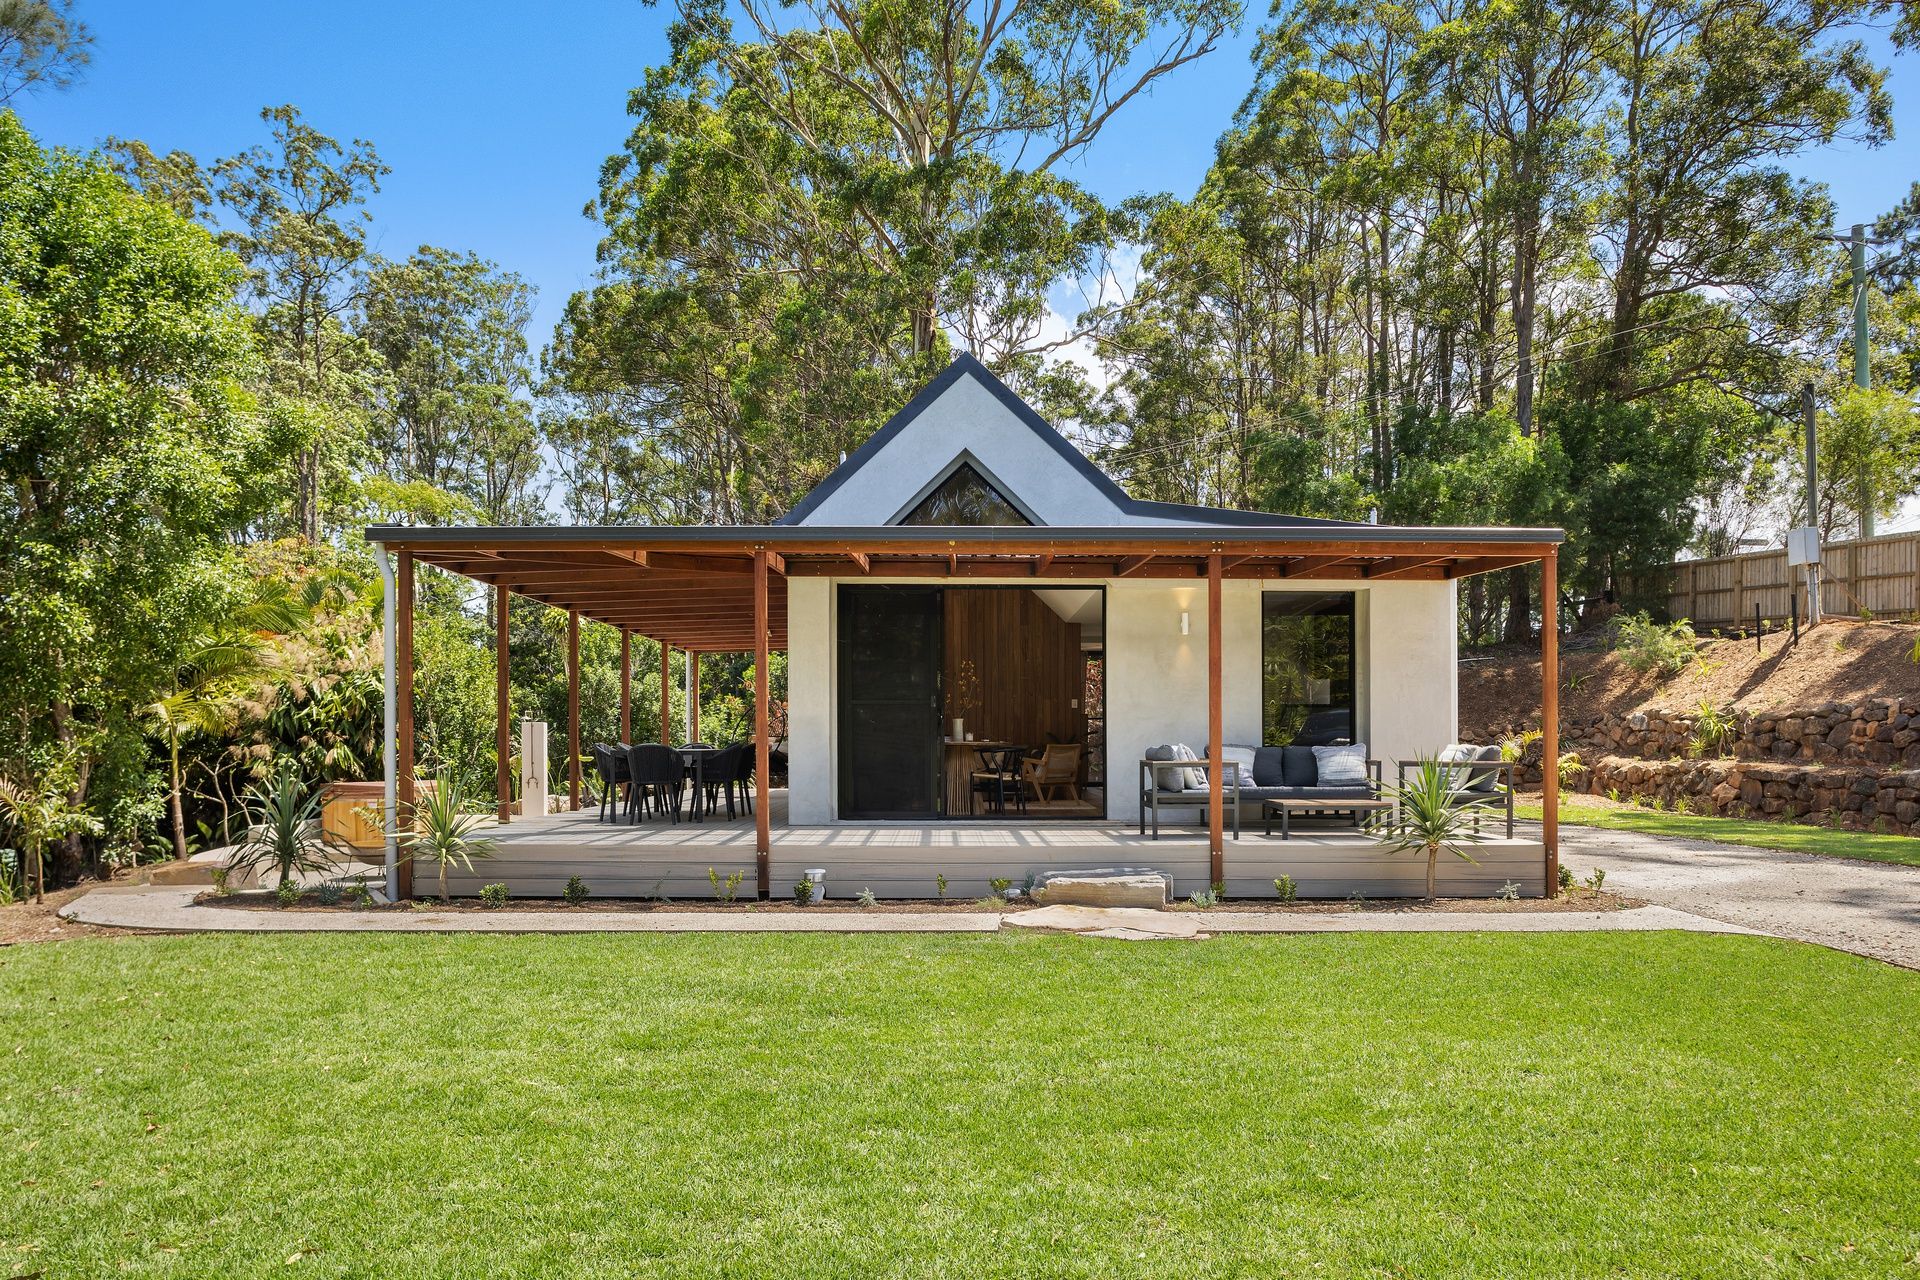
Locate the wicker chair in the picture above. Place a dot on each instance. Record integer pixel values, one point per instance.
(1056, 768)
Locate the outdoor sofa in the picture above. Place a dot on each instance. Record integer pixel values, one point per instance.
(1169, 778)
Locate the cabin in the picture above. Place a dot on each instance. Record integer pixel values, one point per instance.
(1000, 666)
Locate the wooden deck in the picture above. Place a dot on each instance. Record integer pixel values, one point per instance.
(535, 856)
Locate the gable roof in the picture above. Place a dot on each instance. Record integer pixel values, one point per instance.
(1045, 436)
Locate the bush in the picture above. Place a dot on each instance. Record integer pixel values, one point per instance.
(576, 891)
(1713, 728)
(1287, 890)
(331, 893)
(1646, 645)
(288, 893)
(493, 895)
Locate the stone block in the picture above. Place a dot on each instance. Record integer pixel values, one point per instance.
(1106, 889)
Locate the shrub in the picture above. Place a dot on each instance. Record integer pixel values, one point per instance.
(803, 891)
(940, 884)
(1204, 898)
(220, 875)
(284, 837)
(331, 893)
(866, 898)
(1569, 770)
(1287, 890)
(1566, 879)
(1646, 645)
(1429, 821)
(1508, 892)
(493, 896)
(725, 890)
(1000, 885)
(362, 897)
(288, 893)
(576, 891)
(446, 830)
(1713, 728)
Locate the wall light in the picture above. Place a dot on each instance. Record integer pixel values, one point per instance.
(1186, 622)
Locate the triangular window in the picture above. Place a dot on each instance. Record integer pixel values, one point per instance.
(965, 497)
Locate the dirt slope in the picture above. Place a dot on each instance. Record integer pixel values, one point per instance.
(1840, 661)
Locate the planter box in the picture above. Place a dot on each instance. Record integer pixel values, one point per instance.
(341, 821)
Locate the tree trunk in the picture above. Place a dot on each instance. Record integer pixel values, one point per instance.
(179, 812)
(1433, 859)
(1519, 607)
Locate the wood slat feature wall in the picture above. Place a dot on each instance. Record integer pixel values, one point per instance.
(1881, 574)
(1026, 668)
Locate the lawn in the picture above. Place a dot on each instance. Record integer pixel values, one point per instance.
(1792, 837)
(707, 1105)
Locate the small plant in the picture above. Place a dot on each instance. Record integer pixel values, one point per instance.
(1429, 820)
(1913, 655)
(576, 891)
(1205, 899)
(288, 893)
(1566, 879)
(493, 896)
(940, 884)
(1357, 900)
(725, 890)
(1657, 803)
(444, 830)
(1575, 679)
(803, 891)
(866, 899)
(1285, 889)
(283, 839)
(1613, 794)
(362, 897)
(1512, 749)
(1000, 885)
(1030, 884)
(1645, 645)
(1508, 892)
(220, 875)
(330, 893)
(1597, 879)
(1713, 728)
(1568, 770)
(1866, 614)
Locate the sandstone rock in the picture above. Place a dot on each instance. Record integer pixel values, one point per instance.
(1106, 889)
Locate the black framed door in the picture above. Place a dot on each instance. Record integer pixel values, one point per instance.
(890, 642)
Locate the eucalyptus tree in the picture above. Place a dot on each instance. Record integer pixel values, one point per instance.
(300, 206)
(455, 414)
(42, 46)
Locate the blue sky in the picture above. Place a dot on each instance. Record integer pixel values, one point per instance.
(496, 118)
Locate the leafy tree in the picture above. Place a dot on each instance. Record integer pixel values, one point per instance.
(1869, 455)
(302, 234)
(41, 814)
(129, 451)
(42, 45)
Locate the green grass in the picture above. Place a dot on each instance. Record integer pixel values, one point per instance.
(703, 1105)
(1792, 837)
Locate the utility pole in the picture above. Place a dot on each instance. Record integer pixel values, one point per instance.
(1812, 554)
(1862, 352)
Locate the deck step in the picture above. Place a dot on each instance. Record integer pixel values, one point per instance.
(1108, 888)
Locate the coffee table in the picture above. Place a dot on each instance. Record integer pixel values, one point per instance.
(1284, 808)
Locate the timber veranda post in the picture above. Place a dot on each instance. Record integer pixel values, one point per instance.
(626, 686)
(406, 792)
(1216, 824)
(693, 696)
(573, 709)
(502, 708)
(1550, 716)
(762, 749)
(666, 693)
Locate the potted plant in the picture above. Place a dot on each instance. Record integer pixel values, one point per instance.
(1428, 817)
(445, 829)
(285, 835)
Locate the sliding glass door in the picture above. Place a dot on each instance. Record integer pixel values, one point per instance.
(890, 647)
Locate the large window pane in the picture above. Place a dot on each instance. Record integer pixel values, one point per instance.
(1306, 649)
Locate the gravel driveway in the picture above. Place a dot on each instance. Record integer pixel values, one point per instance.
(1869, 908)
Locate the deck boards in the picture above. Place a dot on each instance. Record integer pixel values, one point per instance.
(535, 856)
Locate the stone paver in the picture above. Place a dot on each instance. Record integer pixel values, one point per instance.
(1868, 908)
(1110, 921)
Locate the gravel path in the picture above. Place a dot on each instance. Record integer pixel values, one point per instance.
(1868, 908)
(171, 908)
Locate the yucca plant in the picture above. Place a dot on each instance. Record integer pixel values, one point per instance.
(285, 835)
(1428, 819)
(445, 828)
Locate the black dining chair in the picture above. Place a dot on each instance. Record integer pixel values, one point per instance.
(720, 771)
(743, 774)
(997, 778)
(656, 775)
(610, 763)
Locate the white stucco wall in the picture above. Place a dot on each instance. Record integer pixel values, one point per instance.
(1157, 678)
(969, 418)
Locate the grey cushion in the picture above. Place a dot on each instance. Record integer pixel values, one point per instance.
(1235, 754)
(1314, 793)
(1298, 767)
(1487, 780)
(1341, 766)
(1195, 777)
(1267, 767)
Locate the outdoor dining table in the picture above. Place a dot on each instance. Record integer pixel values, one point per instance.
(695, 758)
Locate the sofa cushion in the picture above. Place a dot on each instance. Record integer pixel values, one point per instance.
(1235, 754)
(1341, 766)
(1191, 778)
(1268, 771)
(1486, 780)
(1298, 767)
(1454, 755)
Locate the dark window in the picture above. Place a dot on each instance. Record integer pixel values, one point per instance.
(1306, 657)
(965, 497)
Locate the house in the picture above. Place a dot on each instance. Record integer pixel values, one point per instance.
(968, 578)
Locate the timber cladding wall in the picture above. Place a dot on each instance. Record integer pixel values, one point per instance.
(1881, 575)
(1014, 670)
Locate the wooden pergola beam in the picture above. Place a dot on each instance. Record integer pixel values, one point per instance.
(1406, 568)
